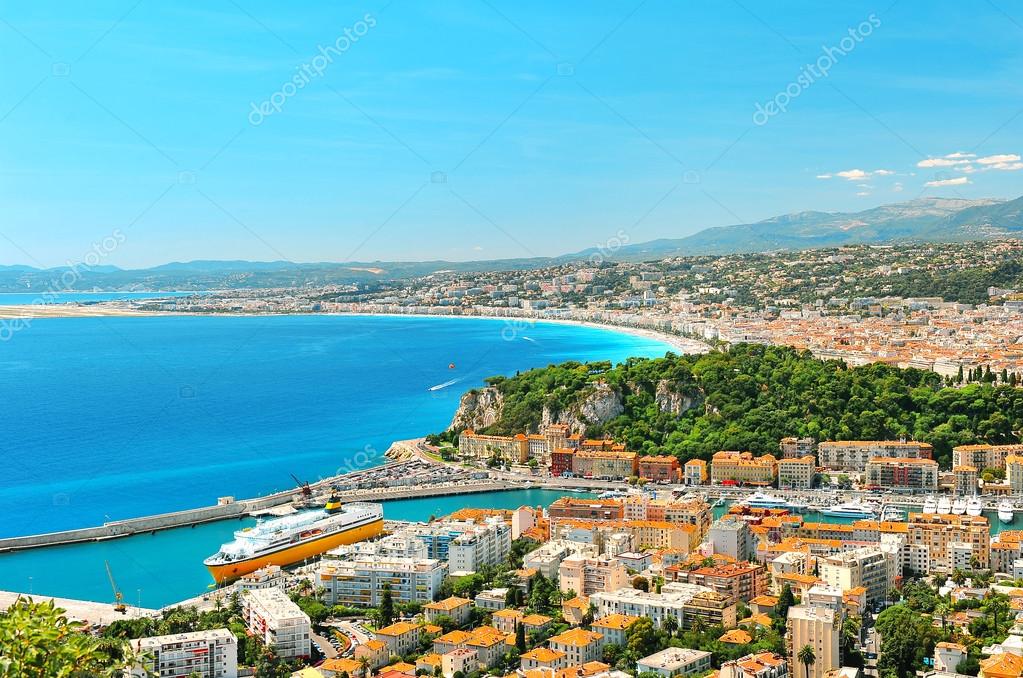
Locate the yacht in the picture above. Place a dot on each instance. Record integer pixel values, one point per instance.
(851, 509)
(974, 507)
(944, 506)
(1005, 511)
(930, 505)
(892, 514)
(763, 500)
(959, 506)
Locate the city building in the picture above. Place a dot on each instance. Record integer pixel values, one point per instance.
(675, 661)
(711, 607)
(937, 532)
(948, 655)
(1014, 473)
(484, 544)
(207, 654)
(736, 581)
(820, 628)
(761, 665)
(562, 462)
(546, 560)
(613, 628)
(588, 575)
(853, 455)
(695, 472)
(483, 447)
(458, 609)
(966, 478)
(795, 448)
(605, 464)
(271, 616)
(578, 646)
(670, 602)
(659, 469)
(401, 637)
(731, 536)
(867, 566)
(797, 473)
(593, 509)
(492, 599)
(360, 582)
(906, 473)
(742, 468)
(984, 456)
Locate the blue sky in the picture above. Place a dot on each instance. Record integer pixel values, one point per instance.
(483, 128)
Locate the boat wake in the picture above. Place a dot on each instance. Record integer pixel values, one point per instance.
(444, 385)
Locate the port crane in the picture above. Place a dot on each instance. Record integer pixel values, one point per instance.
(119, 605)
(302, 485)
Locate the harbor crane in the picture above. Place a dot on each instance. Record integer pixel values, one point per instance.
(119, 605)
(302, 485)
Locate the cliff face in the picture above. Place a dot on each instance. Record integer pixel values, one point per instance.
(595, 405)
(478, 409)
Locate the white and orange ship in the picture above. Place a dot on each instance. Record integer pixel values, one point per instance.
(291, 539)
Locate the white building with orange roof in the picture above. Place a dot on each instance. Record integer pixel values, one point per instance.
(578, 645)
(613, 627)
(694, 472)
(675, 661)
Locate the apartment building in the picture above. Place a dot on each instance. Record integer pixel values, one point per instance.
(361, 580)
(795, 448)
(562, 461)
(731, 467)
(1014, 473)
(761, 665)
(675, 661)
(695, 472)
(693, 512)
(984, 456)
(853, 455)
(483, 447)
(594, 509)
(588, 575)
(207, 654)
(607, 464)
(731, 536)
(736, 581)
(578, 645)
(937, 533)
(613, 628)
(868, 566)
(904, 473)
(670, 602)
(966, 478)
(401, 637)
(546, 560)
(659, 469)
(271, 616)
(711, 608)
(797, 473)
(458, 609)
(820, 628)
(482, 545)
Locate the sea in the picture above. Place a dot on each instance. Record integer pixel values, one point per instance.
(112, 418)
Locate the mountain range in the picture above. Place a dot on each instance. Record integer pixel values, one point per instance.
(920, 220)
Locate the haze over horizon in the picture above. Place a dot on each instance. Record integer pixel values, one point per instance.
(483, 130)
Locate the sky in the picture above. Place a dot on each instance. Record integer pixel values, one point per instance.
(150, 132)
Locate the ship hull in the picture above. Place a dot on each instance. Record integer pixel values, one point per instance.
(294, 554)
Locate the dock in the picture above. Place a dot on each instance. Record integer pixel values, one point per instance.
(87, 611)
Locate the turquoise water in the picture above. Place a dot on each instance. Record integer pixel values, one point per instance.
(166, 567)
(112, 418)
(26, 298)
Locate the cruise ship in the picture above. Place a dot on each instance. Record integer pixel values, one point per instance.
(291, 539)
(851, 509)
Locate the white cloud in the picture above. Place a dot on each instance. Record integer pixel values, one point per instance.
(998, 159)
(857, 174)
(961, 155)
(477, 248)
(958, 181)
(883, 173)
(897, 187)
(863, 193)
(938, 162)
(1007, 166)
(823, 176)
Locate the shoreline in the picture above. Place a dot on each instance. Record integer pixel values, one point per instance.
(30, 312)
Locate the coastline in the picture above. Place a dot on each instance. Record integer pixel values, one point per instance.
(32, 312)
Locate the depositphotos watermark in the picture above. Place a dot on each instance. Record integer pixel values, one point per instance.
(811, 73)
(315, 68)
(66, 281)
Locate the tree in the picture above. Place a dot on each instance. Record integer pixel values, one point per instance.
(786, 600)
(38, 641)
(670, 625)
(907, 637)
(520, 637)
(641, 583)
(807, 658)
(386, 606)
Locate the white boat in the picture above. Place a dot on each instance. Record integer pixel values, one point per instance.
(1005, 511)
(763, 500)
(974, 507)
(944, 506)
(892, 514)
(930, 505)
(959, 507)
(851, 509)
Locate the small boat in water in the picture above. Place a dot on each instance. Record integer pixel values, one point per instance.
(930, 505)
(959, 507)
(851, 509)
(944, 506)
(892, 514)
(974, 507)
(1005, 511)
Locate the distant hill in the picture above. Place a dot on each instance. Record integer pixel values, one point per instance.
(922, 220)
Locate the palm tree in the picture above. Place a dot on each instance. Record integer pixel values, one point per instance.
(670, 625)
(941, 610)
(807, 658)
(364, 665)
